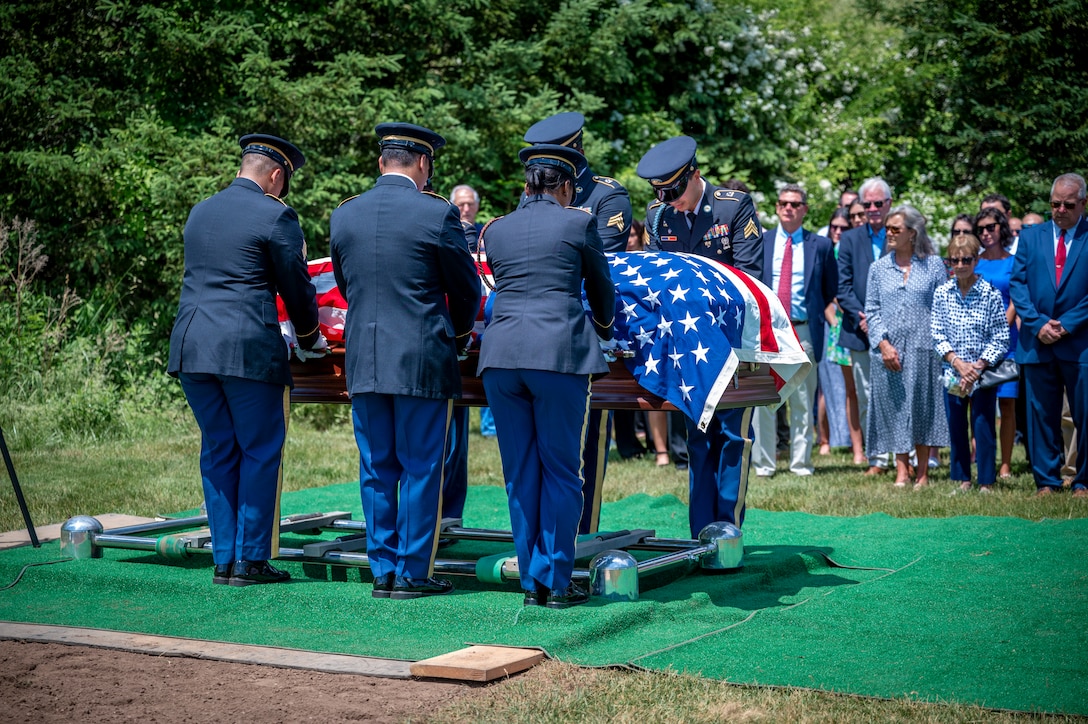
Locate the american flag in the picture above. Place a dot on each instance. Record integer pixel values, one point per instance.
(692, 321)
(332, 307)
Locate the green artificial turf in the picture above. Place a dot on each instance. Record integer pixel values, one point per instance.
(969, 609)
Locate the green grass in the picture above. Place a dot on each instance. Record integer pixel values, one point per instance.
(556, 693)
(150, 467)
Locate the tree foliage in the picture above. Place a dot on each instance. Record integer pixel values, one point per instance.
(119, 115)
(989, 95)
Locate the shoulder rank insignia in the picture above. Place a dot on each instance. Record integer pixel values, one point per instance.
(609, 182)
(277, 198)
(750, 229)
(654, 205)
(347, 200)
(437, 196)
(616, 220)
(727, 195)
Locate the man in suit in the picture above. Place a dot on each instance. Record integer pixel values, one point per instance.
(242, 247)
(402, 263)
(800, 266)
(693, 216)
(858, 249)
(609, 203)
(1049, 289)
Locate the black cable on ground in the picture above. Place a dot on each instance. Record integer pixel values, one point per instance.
(29, 565)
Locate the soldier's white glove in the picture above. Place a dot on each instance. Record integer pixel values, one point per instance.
(611, 349)
(319, 350)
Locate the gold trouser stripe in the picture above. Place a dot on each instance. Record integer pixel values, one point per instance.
(441, 486)
(742, 490)
(582, 447)
(279, 478)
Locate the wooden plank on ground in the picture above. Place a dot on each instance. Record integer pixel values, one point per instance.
(215, 650)
(478, 663)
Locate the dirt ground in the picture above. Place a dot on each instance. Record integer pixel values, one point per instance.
(44, 682)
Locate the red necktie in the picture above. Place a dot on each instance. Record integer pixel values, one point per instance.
(1059, 258)
(785, 277)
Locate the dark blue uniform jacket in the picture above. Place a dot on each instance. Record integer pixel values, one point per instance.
(402, 263)
(241, 248)
(540, 255)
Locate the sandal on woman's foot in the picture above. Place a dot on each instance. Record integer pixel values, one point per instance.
(900, 483)
(662, 459)
(923, 483)
(965, 485)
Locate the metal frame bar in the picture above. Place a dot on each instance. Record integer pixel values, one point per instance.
(674, 551)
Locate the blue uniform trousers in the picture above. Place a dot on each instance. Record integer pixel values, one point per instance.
(1045, 383)
(541, 454)
(455, 487)
(594, 466)
(243, 424)
(983, 410)
(402, 446)
(718, 468)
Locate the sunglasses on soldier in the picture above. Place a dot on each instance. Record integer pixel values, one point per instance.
(668, 194)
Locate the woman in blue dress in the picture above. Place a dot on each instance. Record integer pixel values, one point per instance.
(995, 266)
(906, 404)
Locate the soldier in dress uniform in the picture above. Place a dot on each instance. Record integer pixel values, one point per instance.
(608, 201)
(401, 261)
(693, 216)
(242, 247)
(537, 359)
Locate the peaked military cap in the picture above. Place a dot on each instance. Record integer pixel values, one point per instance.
(409, 136)
(283, 152)
(562, 129)
(564, 158)
(665, 164)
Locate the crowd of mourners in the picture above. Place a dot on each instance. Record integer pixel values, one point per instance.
(921, 349)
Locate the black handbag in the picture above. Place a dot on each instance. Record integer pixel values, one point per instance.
(1007, 371)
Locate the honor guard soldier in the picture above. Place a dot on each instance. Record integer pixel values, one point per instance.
(693, 216)
(604, 197)
(242, 247)
(401, 261)
(537, 358)
(609, 202)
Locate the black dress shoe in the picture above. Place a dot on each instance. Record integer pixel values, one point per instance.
(537, 597)
(221, 574)
(573, 595)
(383, 585)
(405, 588)
(681, 465)
(247, 573)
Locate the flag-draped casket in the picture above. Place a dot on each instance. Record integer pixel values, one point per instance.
(696, 331)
